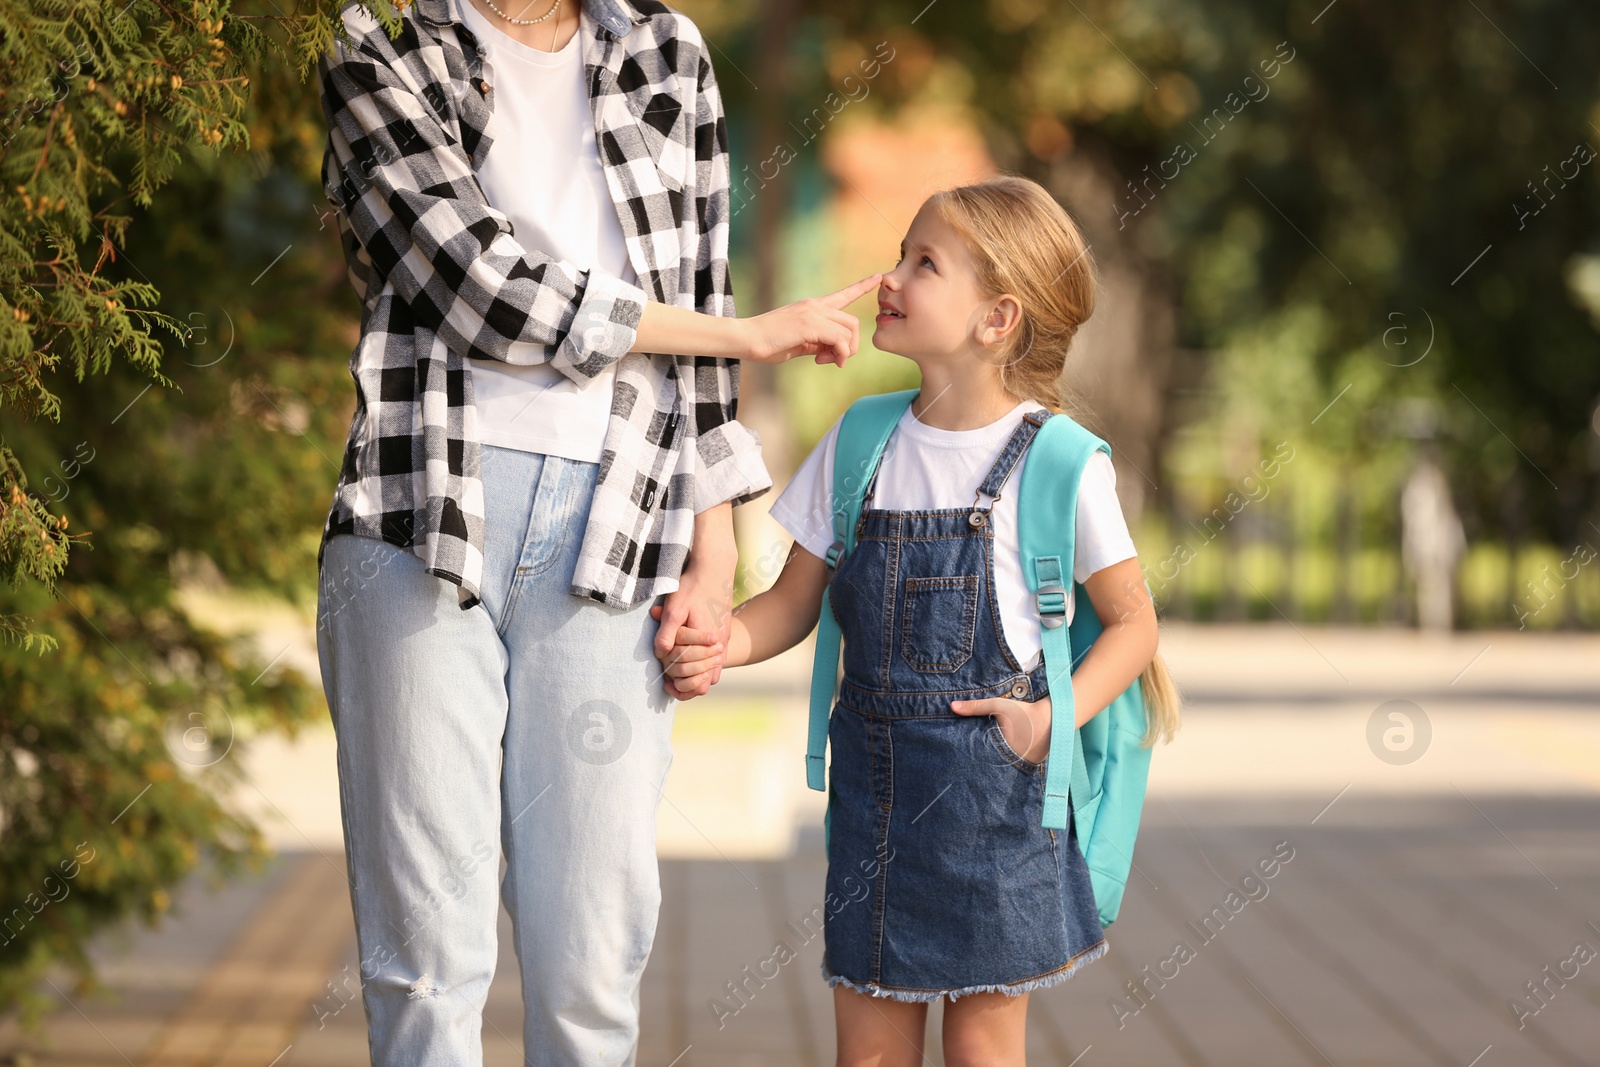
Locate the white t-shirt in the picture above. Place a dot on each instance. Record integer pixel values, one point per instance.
(543, 172)
(925, 468)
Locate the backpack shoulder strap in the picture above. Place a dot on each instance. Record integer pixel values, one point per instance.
(863, 433)
(1047, 514)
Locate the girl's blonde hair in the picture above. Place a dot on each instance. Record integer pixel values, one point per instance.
(1024, 243)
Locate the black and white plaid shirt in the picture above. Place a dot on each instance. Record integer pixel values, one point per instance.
(442, 278)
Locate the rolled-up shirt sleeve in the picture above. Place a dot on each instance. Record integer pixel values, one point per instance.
(408, 191)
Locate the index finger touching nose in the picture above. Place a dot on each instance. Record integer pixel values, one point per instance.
(854, 290)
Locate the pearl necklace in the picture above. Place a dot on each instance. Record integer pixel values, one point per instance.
(524, 22)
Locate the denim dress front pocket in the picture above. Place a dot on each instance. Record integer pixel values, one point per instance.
(936, 626)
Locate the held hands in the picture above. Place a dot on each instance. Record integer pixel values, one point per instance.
(1024, 725)
(703, 601)
(818, 326)
(693, 662)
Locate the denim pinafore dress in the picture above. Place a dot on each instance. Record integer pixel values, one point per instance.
(941, 880)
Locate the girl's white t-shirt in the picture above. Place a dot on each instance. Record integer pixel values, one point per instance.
(925, 468)
(543, 172)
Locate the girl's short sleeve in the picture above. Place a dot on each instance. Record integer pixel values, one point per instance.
(1102, 531)
(805, 507)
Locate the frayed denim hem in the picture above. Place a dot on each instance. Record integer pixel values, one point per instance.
(928, 996)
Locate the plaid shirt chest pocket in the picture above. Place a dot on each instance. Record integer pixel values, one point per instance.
(662, 123)
(655, 99)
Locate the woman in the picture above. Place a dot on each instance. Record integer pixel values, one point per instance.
(534, 201)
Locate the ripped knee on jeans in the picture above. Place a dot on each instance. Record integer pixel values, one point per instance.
(423, 988)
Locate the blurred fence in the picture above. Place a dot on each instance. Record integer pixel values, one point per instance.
(1269, 573)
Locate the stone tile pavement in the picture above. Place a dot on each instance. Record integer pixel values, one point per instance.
(1433, 911)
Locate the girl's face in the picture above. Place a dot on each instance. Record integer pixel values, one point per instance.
(929, 305)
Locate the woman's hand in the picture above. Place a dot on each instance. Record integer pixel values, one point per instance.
(1025, 725)
(704, 597)
(694, 661)
(818, 326)
(683, 610)
(814, 327)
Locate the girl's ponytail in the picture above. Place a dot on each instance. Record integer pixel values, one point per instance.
(1161, 702)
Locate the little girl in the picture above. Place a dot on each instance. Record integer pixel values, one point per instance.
(942, 722)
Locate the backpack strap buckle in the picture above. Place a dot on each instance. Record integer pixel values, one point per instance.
(831, 557)
(1052, 601)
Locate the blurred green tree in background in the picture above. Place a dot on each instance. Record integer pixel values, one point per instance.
(1378, 226)
(170, 365)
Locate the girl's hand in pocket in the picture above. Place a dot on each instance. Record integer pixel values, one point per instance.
(693, 658)
(1025, 725)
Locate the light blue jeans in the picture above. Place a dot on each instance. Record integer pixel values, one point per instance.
(533, 723)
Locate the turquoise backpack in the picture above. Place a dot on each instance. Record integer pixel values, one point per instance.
(1102, 764)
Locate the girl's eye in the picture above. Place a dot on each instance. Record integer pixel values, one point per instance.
(928, 261)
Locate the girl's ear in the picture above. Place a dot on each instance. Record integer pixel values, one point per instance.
(1003, 318)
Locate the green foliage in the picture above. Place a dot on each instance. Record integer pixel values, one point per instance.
(174, 324)
(1356, 188)
(118, 745)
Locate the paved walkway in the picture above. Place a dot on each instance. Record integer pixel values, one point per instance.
(1420, 899)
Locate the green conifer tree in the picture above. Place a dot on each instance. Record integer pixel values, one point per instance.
(167, 394)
